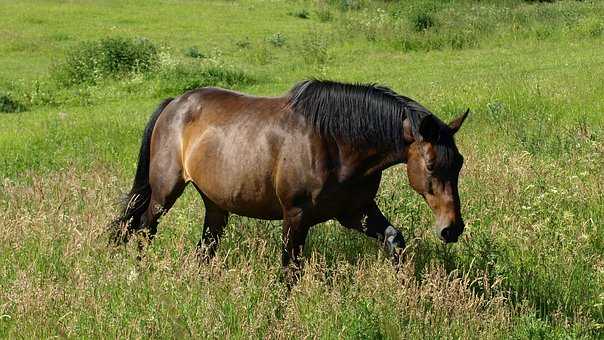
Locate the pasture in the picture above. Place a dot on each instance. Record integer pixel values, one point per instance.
(78, 81)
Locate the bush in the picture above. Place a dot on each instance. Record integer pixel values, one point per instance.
(349, 5)
(261, 55)
(193, 52)
(10, 105)
(421, 16)
(244, 43)
(181, 78)
(422, 21)
(314, 49)
(324, 14)
(109, 57)
(590, 27)
(302, 14)
(277, 40)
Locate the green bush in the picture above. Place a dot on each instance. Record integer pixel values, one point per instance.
(10, 105)
(243, 43)
(422, 21)
(314, 49)
(277, 39)
(261, 55)
(348, 5)
(302, 13)
(110, 57)
(323, 14)
(193, 52)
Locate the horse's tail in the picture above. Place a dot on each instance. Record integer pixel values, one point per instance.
(136, 202)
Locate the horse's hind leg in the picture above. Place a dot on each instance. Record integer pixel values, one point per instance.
(167, 184)
(213, 227)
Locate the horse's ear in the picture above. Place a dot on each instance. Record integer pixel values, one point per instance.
(429, 129)
(457, 122)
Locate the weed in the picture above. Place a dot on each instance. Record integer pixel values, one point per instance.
(422, 21)
(277, 39)
(349, 5)
(324, 14)
(194, 52)
(10, 105)
(301, 13)
(244, 43)
(262, 55)
(591, 27)
(315, 49)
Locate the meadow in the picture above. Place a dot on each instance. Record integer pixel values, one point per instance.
(78, 81)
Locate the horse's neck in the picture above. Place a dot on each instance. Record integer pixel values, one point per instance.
(353, 162)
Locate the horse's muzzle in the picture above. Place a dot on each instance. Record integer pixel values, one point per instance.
(451, 234)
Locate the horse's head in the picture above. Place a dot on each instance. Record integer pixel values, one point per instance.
(433, 165)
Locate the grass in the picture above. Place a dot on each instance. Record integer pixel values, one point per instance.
(530, 263)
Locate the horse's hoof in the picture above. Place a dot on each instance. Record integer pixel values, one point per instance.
(394, 242)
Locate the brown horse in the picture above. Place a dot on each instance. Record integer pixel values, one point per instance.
(317, 153)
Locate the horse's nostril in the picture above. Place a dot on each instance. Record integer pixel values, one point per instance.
(449, 235)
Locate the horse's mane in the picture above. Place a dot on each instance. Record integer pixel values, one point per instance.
(365, 115)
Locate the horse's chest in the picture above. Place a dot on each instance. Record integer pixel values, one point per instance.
(339, 199)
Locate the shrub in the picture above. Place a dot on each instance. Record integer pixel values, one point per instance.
(422, 21)
(277, 40)
(324, 14)
(349, 5)
(421, 16)
(454, 38)
(109, 57)
(182, 78)
(590, 27)
(261, 55)
(314, 49)
(302, 13)
(244, 43)
(193, 52)
(10, 105)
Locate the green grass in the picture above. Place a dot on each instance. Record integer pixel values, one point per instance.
(529, 265)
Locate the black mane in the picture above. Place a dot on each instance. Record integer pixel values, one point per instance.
(365, 115)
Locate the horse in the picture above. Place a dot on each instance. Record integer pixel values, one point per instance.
(314, 154)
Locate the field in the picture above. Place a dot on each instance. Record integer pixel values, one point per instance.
(78, 81)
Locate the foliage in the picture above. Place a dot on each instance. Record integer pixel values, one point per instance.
(301, 13)
(324, 14)
(10, 105)
(315, 48)
(108, 57)
(194, 53)
(277, 39)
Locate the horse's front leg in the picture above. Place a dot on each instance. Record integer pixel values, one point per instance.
(294, 236)
(373, 223)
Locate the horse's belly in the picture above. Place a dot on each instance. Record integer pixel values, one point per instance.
(236, 178)
(247, 196)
